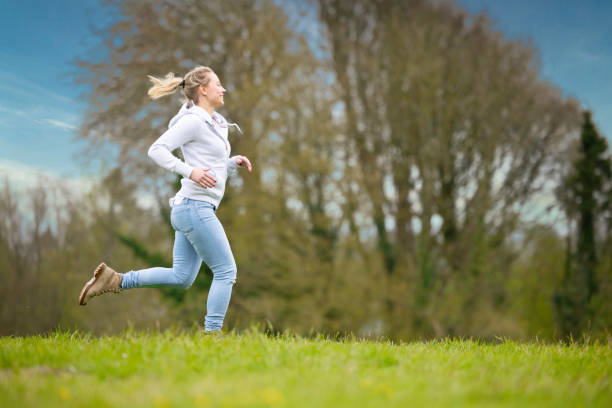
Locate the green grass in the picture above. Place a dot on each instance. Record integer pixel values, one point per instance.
(251, 369)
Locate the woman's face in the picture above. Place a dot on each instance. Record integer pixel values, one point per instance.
(214, 92)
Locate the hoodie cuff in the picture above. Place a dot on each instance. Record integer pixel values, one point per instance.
(231, 163)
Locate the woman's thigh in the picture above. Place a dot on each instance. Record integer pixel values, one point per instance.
(209, 239)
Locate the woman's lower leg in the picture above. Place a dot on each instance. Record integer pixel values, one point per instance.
(185, 265)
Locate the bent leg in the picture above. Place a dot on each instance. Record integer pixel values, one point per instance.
(185, 266)
(211, 243)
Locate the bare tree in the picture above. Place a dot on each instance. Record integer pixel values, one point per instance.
(449, 122)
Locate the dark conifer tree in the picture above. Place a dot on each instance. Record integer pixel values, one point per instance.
(586, 195)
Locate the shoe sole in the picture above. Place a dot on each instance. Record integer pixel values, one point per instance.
(89, 284)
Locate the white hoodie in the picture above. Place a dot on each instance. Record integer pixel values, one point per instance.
(203, 142)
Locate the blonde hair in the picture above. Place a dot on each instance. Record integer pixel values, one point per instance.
(193, 79)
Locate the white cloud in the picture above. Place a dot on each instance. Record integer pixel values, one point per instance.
(24, 103)
(16, 117)
(22, 177)
(60, 124)
(15, 85)
(13, 112)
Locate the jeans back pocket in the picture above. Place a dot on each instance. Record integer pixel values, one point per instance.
(180, 218)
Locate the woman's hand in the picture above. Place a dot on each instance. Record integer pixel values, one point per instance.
(243, 162)
(202, 177)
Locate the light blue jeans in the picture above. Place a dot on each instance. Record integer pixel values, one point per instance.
(199, 236)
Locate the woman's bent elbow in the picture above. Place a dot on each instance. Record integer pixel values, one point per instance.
(151, 151)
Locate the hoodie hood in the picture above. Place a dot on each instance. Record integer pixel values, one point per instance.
(189, 108)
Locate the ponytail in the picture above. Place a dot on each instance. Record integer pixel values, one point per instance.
(165, 86)
(193, 79)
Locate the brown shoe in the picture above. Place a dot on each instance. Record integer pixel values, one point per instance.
(105, 280)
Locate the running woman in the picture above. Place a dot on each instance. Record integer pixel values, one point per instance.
(201, 134)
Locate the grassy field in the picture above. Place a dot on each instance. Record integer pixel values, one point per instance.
(253, 370)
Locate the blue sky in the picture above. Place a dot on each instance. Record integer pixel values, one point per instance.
(40, 109)
(574, 39)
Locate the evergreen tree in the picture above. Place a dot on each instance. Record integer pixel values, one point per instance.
(586, 196)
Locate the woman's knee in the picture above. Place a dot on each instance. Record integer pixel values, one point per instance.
(185, 279)
(227, 273)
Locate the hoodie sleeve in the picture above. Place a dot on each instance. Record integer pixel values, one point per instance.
(183, 132)
(231, 165)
